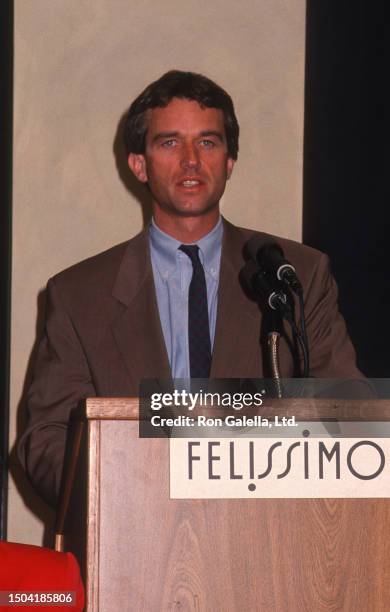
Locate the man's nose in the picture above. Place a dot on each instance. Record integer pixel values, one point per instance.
(190, 158)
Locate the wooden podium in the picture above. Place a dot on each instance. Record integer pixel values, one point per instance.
(144, 552)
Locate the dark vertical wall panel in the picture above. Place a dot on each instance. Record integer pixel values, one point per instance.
(344, 212)
(6, 52)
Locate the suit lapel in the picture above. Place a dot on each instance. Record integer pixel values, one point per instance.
(137, 330)
(236, 345)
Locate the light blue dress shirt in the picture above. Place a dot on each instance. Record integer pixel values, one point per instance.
(172, 271)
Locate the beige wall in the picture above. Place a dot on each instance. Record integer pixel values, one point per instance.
(78, 64)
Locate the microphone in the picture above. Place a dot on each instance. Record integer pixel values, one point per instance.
(269, 254)
(268, 259)
(256, 279)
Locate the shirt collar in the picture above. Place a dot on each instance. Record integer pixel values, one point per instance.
(166, 248)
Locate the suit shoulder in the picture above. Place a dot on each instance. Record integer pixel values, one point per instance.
(311, 265)
(291, 248)
(98, 271)
(95, 265)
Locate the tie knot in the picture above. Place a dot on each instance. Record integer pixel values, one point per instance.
(192, 250)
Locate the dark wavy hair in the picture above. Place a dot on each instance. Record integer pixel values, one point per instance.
(184, 85)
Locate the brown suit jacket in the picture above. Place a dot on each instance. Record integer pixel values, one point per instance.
(103, 335)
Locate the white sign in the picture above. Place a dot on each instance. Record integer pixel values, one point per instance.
(279, 468)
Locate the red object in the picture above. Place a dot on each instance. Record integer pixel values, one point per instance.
(25, 568)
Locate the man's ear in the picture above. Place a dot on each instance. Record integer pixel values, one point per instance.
(229, 167)
(137, 165)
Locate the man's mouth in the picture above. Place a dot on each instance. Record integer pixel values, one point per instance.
(190, 183)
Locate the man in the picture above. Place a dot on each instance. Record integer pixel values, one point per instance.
(155, 307)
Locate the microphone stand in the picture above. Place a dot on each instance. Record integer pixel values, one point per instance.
(256, 278)
(273, 345)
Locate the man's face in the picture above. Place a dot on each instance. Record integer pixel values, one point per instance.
(186, 163)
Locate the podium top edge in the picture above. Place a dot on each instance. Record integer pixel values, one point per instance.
(111, 408)
(127, 408)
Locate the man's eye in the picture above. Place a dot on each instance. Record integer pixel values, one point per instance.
(209, 144)
(169, 143)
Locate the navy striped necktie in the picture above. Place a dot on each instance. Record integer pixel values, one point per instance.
(198, 317)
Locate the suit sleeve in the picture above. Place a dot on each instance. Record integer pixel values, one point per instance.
(332, 354)
(61, 379)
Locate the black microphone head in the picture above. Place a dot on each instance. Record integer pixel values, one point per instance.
(269, 255)
(272, 254)
(267, 290)
(259, 245)
(254, 279)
